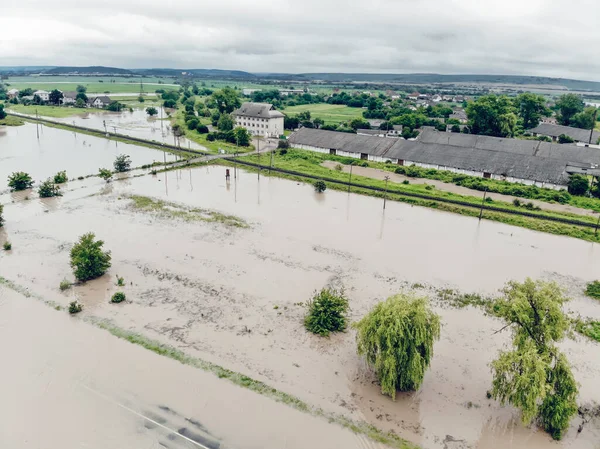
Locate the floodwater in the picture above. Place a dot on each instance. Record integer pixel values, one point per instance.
(232, 296)
(66, 384)
(56, 150)
(135, 124)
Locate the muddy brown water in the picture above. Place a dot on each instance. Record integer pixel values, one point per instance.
(55, 150)
(231, 296)
(68, 384)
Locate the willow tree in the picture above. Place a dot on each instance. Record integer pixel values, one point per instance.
(534, 376)
(396, 338)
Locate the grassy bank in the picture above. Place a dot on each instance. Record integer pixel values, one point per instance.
(309, 163)
(11, 120)
(331, 114)
(50, 111)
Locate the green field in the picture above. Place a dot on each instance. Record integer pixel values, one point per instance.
(49, 111)
(332, 114)
(95, 85)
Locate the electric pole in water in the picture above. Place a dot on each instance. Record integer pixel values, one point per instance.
(350, 177)
(482, 201)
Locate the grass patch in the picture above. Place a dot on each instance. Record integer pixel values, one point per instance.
(331, 114)
(593, 290)
(176, 211)
(11, 120)
(50, 111)
(589, 328)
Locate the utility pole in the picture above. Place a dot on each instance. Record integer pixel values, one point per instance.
(350, 177)
(36, 125)
(593, 126)
(387, 178)
(482, 201)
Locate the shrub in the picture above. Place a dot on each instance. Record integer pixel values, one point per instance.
(488, 199)
(283, 152)
(7, 246)
(87, 258)
(406, 181)
(118, 297)
(105, 174)
(122, 163)
(396, 338)
(339, 167)
(517, 202)
(578, 185)
(593, 290)
(363, 164)
(283, 144)
(320, 186)
(80, 178)
(563, 138)
(60, 177)
(202, 129)
(120, 281)
(75, 307)
(19, 181)
(64, 284)
(327, 312)
(1, 215)
(48, 189)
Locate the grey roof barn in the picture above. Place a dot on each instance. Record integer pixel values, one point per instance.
(257, 110)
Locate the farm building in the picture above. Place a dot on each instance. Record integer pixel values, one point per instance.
(577, 134)
(259, 119)
(529, 162)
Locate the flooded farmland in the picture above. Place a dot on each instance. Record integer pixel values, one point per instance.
(233, 296)
(56, 150)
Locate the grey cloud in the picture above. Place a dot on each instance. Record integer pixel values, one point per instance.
(535, 37)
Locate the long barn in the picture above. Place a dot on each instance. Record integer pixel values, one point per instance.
(529, 162)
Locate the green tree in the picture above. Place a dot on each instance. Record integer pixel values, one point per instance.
(81, 96)
(531, 108)
(534, 376)
(327, 312)
(122, 163)
(226, 100)
(79, 103)
(578, 185)
(87, 258)
(2, 113)
(320, 186)
(563, 138)
(585, 119)
(19, 181)
(55, 96)
(303, 116)
(242, 136)
(492, 115)
(192, 123)
(141, 99)
(151, 111)
(48, 189)
(318, 122)
(81, 89)
(568, 105)
(225, 123)
(396, 338)
(105, 174)
(115, 106)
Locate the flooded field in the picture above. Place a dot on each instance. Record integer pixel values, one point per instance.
(55, 150)
(233, 296)
(69, 385)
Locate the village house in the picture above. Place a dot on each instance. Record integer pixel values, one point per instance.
(12, 93)
(447, 97)
(44, 95)
(577, 134)
(436, 98)
(69, 98)
(100, 101)
(414, 96)
(260, 119)
(460, 115)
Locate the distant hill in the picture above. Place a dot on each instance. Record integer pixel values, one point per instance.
(214, 73)
(432, 78)
(24, 68)
(93, 70)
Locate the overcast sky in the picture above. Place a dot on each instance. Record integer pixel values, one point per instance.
(530, 37)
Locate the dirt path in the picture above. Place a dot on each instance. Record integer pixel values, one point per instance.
(376, 173)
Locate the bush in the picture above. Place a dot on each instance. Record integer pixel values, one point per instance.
(363, 164)
(120, 281)
(105, 174)
(339, 167)
(593, 290)
(48, 189)
(327, 312)
(396, 338)
(202, 129)
(7, 246)
(578, 185)
(75, 307)
(19, 181)
(118, 297)
(563, 138)
(283, 152)
(122, 163)
(517, 202)
(283, 144)
(87, 258)
(192, 123)
(80, 178)
(1, 215)
(64, 285)
(60, 177)
(320, 186)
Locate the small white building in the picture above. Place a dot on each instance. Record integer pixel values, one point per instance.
(100, 101)
(260, 119)
(44, 95)
(12, 93)
(249, 92)
(436, 98)
(69, 98)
